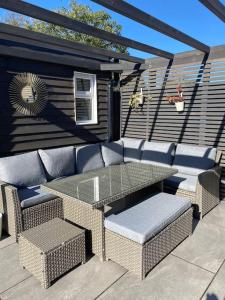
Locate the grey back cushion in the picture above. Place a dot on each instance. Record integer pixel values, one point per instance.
(89, 158)
(194, 160)
(112, 153)
(158, 153)
(132, 149)
(58, 162)
(22, 170)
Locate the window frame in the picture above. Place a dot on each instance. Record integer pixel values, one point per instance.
(92, 95)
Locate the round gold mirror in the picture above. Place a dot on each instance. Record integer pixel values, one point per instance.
(28, 94)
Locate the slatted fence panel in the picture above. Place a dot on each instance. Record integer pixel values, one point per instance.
(203, 120)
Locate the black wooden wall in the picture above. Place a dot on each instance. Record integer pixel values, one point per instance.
(203, 120)
(55, 126)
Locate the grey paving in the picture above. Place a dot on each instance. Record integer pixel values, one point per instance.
(10, 271)
(194, 271)
(172, 279)
(205, 248)
(216, 290)
(85, 282)
(216, 216)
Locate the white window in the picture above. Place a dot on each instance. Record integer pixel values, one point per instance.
(85, 93)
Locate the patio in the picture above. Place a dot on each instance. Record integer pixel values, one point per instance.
(112, 169)
(194, 270)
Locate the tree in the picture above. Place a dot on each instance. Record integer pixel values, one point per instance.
(83, 13)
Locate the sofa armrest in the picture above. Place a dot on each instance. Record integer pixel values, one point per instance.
(11, 208)
(210, 181)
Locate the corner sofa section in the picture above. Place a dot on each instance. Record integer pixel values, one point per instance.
(24, 204)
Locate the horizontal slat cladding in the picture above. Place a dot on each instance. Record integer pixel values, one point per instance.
(55, 126)
(201, 123)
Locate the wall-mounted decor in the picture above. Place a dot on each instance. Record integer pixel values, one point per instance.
(28, 94)
(178, 99)
(137, 99)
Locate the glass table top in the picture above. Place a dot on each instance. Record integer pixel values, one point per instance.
(102, 186)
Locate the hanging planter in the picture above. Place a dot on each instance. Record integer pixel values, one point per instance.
(178, 99)
(138, 99)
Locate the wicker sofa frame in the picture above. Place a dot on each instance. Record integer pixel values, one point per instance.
(207, 194)
(140, 259)
(16, 219)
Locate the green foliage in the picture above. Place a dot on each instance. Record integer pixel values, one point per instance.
(82, 13)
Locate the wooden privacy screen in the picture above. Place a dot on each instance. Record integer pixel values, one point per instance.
(203, 120)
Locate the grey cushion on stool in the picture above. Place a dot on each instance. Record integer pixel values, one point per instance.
(89, 158)
(112, 153)
(194, 160)
(58, 162)
(157, 153)
(22, 170)
(144, 220)
(33, 195)
(183, 181)
(132, 149)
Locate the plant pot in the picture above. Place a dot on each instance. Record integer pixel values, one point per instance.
(141, 99)
(179, 106)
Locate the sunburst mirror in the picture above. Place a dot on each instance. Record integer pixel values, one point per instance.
(28, 94)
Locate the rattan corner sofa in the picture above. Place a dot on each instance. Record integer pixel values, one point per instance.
(24, 205)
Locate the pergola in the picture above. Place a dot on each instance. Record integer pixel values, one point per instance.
(74, 48)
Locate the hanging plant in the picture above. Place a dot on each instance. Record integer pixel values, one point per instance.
(137, 99)
(178, 99)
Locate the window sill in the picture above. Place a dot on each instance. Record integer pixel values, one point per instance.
(87, 123)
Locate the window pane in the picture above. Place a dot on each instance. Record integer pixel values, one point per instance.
(83, 85)
(83, 109)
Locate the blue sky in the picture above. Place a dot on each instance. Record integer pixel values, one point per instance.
(190, 16)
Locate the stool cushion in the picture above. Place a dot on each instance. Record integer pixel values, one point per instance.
(112, 153)
(144, 220)
(33, 195)
(132, 149)
(183, 181)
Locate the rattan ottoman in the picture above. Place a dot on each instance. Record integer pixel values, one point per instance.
(51, 249)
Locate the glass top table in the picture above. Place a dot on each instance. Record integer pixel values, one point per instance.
(103, 186)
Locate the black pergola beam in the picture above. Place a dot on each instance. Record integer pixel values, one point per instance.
(144, 18)
(85, 49)
(60, 20)
(121, 67)
(216, 7)
(65, 60)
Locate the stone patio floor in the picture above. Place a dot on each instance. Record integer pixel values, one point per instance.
(194, 270)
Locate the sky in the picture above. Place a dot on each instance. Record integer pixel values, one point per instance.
(189, 16)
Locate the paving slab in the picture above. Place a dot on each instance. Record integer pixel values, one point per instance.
(205, 247)
(216, 216)
(6, 240)
(84, 282)
(11, 273)
(216, 290)
(172, 279)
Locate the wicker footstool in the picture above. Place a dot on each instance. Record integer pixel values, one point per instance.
(51, 249)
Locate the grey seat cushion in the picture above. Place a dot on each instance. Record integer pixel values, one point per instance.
(33, 195)
(58, 162)
(183, 181)
(143, 221)
(158, 153)
(22, 170)
(132, 149)
(89, 158)
(112, 153)
(194, 160)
